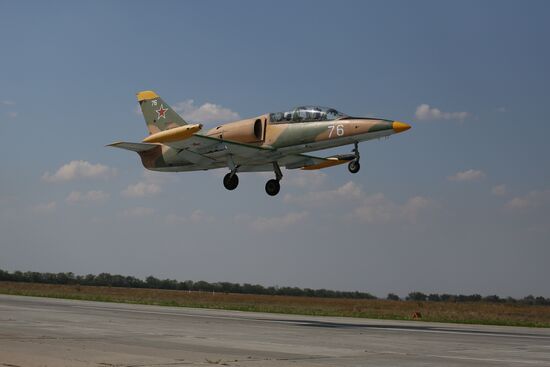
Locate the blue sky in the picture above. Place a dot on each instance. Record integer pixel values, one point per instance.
(459, 203)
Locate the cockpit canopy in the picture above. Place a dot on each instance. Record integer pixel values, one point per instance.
(306, 114)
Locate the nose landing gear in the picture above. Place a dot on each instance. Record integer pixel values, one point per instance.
(354, 165)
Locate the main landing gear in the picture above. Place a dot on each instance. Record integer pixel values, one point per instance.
(272, 187)
(231, 180)
(354, 165)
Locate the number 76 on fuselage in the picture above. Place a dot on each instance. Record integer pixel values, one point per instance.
(263, 143)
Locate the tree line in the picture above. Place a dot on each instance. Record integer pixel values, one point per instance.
(116, 280)
(445, 297)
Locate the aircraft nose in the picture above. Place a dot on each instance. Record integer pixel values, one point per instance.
(399, 127)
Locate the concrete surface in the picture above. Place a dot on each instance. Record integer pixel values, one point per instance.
(53, 332)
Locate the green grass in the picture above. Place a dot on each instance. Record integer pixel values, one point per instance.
(463, 313)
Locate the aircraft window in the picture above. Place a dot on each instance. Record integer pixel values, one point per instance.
(307, 114)
(276, 117)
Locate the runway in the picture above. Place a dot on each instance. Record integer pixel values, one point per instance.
(54, 332)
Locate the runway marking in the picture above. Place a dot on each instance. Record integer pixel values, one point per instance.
(479, 359)
(488, 359)
(301, 322)
(465, 332)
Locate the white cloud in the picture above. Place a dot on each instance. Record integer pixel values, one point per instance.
(157, 177)
(45, 208)
(10, 114)
(377, 208)
(370, 208)
(278, 223)
(90, 196)
(197, 216)
(303, 179)
(176, 219)
(499, 190)
(519, 203)
(207, 112)
(501, 109)
(468, 175)
(150, 185)
(78, 170)
(348, 191)
(141, 189)
(138, 212)
(533, 199)
(426, 113)
(415, 206)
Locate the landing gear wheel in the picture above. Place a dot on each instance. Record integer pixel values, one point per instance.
(231, 182)
(272, 187)
(354, 166)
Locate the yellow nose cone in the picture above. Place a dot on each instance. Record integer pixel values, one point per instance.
(399, 127)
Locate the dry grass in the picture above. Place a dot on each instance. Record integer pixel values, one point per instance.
(472, 313)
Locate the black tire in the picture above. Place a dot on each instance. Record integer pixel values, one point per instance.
(354, 166)
(231, 182)
(272, 187)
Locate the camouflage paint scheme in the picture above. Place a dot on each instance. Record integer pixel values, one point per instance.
(247, 145)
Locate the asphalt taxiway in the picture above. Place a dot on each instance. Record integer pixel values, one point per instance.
(54, 332)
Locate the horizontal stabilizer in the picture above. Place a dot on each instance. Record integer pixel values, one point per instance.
(134, 147)
(174, 134)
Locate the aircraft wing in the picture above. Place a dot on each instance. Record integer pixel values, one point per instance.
(215, 149)
(308, 162)
(207, 150)
(134, 147)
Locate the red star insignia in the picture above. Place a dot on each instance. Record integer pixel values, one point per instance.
(161, 112)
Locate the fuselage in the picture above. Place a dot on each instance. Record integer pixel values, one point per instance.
(299, 137)
(301, 130)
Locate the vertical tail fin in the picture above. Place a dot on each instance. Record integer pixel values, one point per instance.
(158, 115)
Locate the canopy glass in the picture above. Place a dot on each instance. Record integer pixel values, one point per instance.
(307, 114)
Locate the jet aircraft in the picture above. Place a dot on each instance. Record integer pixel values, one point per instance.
(264, 143)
